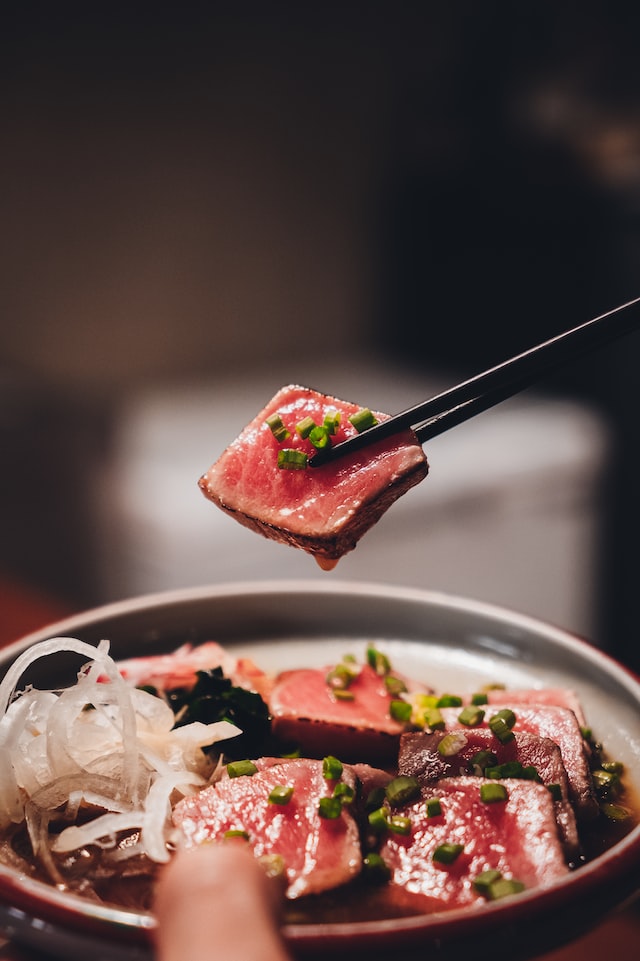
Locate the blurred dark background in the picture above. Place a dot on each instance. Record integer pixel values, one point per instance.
(206, 190)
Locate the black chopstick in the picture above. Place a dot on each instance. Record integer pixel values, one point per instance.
(485, 390)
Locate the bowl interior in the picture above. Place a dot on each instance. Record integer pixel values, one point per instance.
(449, 643)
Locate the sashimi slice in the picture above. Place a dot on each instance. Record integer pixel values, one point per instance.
(516, 837)
(323, 510)
(318, 853)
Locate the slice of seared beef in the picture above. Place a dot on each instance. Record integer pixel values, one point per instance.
(318, 853)
(560, 725)
(560, 696)
(420, 758)
(323, 510)
(516, 837)
(307, 712)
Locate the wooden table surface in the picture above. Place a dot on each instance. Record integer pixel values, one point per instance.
(23, 610)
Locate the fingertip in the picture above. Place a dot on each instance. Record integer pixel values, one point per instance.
(214, 888)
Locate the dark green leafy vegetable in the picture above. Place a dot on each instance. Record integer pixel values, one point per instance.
(214, 698)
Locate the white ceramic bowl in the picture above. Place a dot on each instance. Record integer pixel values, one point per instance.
(448, 642)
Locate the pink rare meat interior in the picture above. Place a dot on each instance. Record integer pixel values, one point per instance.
(324, 510)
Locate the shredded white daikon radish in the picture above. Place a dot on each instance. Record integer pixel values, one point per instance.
(100, 744)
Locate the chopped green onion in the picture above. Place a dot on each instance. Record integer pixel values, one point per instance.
(480, 698)
(506, 769)
(555, 791)
(613, 767)
(501, 728)
(345, 792)
(481, 761)
(319, 437)
(340, 676)
(449, 700)
(330, 808)
(471, 716)
(507, 715)
(530, 773)
(433, 719)
(241, 768)
(587, 733)
(378, 820)
(394, 685)
(235, 833)
(331, 421)
(277, 427)
(341, 695)
(424, 701)
(331, 768)
(502, 888)
(363, 419)
(378, 661)
(485, 879)
(400, 711)
(451, 744)
(605, 782)
(375, 867)
(402, 789)
(447, 853)
(305, 426)
(291, 459)
(399, 824)
(375, 799)
(615, 812)
(281, 794)
(434, 807)
(490, 793)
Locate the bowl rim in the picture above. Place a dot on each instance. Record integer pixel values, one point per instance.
(23, 896)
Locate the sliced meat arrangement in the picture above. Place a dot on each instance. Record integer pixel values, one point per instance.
(444, 858)
(277, 809)
(526, 756)
(560, 725)
(261, 478)
(308, 711)
(166, 672)
(558, 696)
